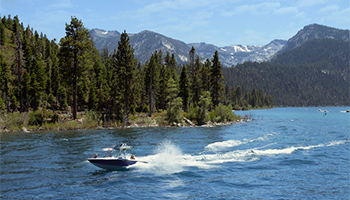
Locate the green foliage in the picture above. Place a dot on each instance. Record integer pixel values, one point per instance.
(74, 56)
(37, 73)
(216, 80)
(315, 74)
(194, 66)
(174, 104)
(132, 109)
(13, 121)
(204, 106)
(92, 102)
(145, 109)
(2, 33)
(222, 113)
(200, 114)
(184, 88)
(152, 81)
(36, 118)
(125, 67)
(2, 105)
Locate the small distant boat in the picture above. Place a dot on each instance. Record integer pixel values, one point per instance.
(114, 159)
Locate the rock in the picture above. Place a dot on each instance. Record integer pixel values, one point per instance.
(25, 130)
(189, 121)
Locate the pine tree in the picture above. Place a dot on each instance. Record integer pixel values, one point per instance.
(204, 105)
(19, 61)
(170, 63)
(196, 81)
(2, 33)
(126, 64)
(216, 80)
(152, 82)
(205, 76)
(92, 102)
(192, 75)
(74, 47)
(37, 83)
(174, 104)
(4, 81)
(184, 88)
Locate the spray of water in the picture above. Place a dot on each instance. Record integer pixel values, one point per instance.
(169, 159)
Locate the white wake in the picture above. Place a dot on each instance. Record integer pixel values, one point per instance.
(169, 159)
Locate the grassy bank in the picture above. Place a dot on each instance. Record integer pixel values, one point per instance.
(58, 120)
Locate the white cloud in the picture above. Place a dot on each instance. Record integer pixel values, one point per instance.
(333, 14)
(286, 11)
(329, 9)
(61, 4)
(308, 3)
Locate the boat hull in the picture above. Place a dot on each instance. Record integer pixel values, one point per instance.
(111, 163)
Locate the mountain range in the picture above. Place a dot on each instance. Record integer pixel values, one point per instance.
(311, 68)
(146, 42)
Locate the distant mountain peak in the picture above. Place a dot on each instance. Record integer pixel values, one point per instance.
(315, 31)
(146, 42)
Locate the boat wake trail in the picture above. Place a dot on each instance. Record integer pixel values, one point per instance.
(169, 159)
(221, 146)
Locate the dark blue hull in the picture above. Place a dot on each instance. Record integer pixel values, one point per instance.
(111, 163)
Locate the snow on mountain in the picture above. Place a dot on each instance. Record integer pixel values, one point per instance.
(234, 54)
(146, 43)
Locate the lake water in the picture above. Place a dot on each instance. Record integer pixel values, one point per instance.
(283, 153)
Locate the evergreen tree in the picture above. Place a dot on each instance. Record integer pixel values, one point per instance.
(126, 64)
(216, 80)
(92, 102)
(193, 70)
(19, 61)
(152, 82)
(184, 87)
(174, 104)
(74, 48)
(196, 81)
(205, 75)
(170, 63)
(238, 96)
(4, 81)
(204, 106)
(2, 33)
(2, 105)
(37, 83)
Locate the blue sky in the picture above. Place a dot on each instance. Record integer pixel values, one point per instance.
(218, 22)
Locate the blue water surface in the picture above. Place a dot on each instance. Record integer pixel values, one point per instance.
(283, 153)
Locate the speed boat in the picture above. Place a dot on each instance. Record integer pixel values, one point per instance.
(114, 159)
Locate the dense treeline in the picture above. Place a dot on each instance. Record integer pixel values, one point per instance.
(37, 73)
(314, 74)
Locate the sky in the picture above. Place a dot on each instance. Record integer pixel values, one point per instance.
(218, 22)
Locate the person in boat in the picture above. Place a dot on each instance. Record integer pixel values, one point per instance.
(95, 155)
(132, 157)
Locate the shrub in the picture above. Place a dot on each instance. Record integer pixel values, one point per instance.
(132, 109)
(36, 118)
(174, 111)
(222, 113)
(145, 109)
(2, 104)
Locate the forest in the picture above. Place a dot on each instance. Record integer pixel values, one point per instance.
(314, 74)
(46, 78)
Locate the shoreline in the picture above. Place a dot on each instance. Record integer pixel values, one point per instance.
(65, 124)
